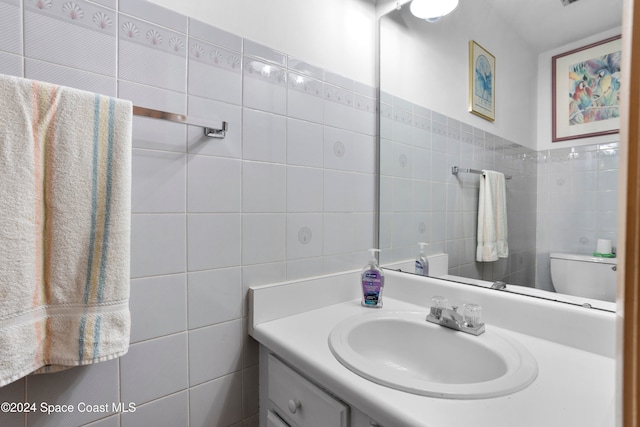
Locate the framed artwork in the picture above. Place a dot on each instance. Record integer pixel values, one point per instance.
(585, 91)
(482, 82)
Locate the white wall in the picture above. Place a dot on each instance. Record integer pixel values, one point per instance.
(544, 97)
(338, 35)
(437, 77)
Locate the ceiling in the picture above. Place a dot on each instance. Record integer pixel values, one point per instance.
(547, 24)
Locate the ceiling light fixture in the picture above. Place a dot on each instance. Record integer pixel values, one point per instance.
(432, 10)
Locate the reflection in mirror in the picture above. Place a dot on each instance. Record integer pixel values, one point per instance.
(561, 198)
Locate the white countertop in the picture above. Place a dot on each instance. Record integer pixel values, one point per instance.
(574, 387)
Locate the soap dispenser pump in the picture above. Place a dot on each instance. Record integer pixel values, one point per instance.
(372, 282)
(422, 263)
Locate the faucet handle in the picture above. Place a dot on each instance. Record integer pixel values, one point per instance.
(439, 302)
(472, 315)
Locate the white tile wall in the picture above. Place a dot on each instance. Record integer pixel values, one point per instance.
(214, 72)
(264, 136)
(11, 27)
(86, 32)
(577, 202)
(217, 402)
(263, 238)
(304, 143)
(172, 410)
(214, 184)
(158, 306)
(213, 241)
(222, 343)
(158, 244)
(10, 64)
(62, 75)
(212, 111)
(305, 187)
(214, 296)
(158, 181)
(558, 200)
(153, 369)
(91, 384)
(422, 201)
(289, 193)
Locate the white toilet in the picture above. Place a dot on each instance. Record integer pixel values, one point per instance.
(584, 275)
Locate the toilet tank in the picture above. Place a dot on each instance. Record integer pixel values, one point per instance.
(584, 275)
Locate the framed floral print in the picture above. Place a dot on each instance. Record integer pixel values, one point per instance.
(586, 91)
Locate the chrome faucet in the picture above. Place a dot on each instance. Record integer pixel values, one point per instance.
(469, 322)
(499, 284)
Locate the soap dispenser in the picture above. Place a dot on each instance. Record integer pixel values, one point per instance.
(422, 263)
(372, 282)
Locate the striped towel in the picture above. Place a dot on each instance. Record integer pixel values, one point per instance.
(65, 184)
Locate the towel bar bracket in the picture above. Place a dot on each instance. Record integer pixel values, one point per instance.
(216, 133)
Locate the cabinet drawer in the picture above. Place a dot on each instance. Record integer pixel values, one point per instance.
(299, 401)
(274, 421)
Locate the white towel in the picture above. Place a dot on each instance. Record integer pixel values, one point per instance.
(65, 183)
(492, 218)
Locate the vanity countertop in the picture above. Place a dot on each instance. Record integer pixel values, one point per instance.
(574, 387)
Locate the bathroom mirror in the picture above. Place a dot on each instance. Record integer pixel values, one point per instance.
(561, 197)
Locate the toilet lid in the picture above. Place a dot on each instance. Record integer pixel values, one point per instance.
(583, 258)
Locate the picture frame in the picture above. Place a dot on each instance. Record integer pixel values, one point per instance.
(585, 88)
(482, 82)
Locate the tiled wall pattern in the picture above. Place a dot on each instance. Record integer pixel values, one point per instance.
(559, 200)
(421, 201)
(577, 202)
(289, 193)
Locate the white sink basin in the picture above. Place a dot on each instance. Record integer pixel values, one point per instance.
(401, 350)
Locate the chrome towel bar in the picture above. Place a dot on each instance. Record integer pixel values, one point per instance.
(181, 118)
(455, 170)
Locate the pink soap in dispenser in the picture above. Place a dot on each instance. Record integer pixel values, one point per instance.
(372, 282)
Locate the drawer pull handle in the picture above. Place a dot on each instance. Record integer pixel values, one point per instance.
(294, 405)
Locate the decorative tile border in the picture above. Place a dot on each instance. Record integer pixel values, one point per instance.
(79, 13)
(337, 94)
(302, 67)
(466, 137)
(298, 75)
(386, 111)
(422, 123)
(437, 117)
(214, 35)
(455, 130)
(264, 71)
(214, 55)
(439, 128)
(305, 84)
(403, 116)
(264, 53)
(150, 36)
(364, 103)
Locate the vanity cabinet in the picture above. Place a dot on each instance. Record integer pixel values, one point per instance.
(273, 420)
(294, 401)
(301, 403)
